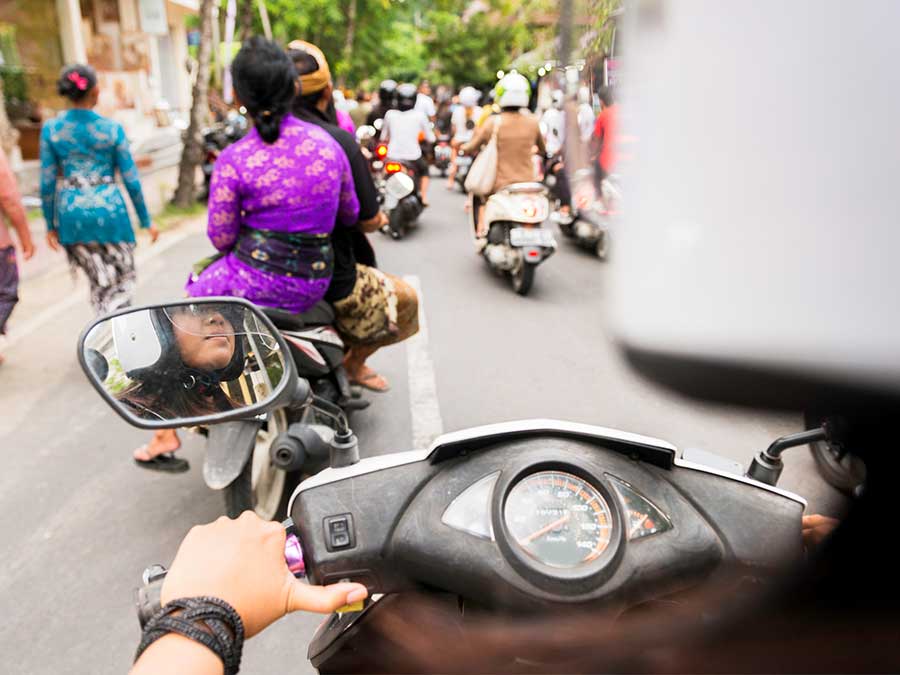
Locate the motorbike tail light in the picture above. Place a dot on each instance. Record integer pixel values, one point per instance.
(393, 167)
(532, 254)
(381, 150)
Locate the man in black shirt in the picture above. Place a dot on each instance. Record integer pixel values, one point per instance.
(373, 309)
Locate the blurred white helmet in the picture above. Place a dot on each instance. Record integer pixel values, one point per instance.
(767, 272)
(468, 97)
(513, 91)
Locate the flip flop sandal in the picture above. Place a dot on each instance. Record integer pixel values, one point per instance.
(366, 381)
(167, 462)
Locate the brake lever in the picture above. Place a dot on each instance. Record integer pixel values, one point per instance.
(148, 597)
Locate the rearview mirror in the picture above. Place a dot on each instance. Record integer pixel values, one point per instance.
(197, 361)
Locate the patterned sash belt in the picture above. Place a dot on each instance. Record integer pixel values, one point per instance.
(79, 182)
(290, 254)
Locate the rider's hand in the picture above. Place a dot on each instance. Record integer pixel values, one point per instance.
(154, 233)
(53, 240)
(242, 562)
(816, 529)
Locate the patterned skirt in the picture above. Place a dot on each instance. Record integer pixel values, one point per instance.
(381, 310)
(110, 271)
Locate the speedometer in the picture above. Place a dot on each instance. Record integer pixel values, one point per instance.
(558, 519)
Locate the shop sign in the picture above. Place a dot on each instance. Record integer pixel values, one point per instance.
(153, 17)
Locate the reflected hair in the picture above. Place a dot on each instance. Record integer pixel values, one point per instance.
(264, 80)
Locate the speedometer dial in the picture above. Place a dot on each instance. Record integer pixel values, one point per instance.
(558, 519)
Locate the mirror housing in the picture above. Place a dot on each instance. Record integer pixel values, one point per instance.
(196, 361)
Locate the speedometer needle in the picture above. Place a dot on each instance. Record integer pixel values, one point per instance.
(544, 530)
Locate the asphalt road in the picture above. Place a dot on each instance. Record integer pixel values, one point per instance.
(81, 521)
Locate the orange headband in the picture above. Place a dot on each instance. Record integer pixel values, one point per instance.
(318, 79)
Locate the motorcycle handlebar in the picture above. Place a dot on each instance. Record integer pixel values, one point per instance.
(148, 597)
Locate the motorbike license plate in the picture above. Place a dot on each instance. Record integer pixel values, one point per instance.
(531, 236)
(463, 161)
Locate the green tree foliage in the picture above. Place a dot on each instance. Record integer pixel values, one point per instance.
(449, 41)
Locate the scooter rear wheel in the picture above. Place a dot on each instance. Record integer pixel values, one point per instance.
(523, 278)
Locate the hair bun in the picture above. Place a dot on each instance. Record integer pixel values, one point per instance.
(76, 81)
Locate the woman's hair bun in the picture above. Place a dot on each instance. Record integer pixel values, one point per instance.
(75, 82)
(264, 80)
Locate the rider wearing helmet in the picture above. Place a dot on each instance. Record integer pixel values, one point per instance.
(403, 129)
(518, 132)
(386, 91)
(553, 127)
(177, 359)
(462, 126)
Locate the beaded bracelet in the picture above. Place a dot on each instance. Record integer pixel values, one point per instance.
(210, 621)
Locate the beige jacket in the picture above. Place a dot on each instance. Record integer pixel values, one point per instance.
(519, 133)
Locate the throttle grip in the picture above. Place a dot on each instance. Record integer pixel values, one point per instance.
(148, 597)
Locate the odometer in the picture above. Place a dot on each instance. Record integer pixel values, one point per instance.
(558, 519)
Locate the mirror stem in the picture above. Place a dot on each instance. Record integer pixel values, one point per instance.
(766, 467)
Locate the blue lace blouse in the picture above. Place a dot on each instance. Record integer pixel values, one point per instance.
(87, 206)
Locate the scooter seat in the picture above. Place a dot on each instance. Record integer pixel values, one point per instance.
(523, 188)
(320, 314)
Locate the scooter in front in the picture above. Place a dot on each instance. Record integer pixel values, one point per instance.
(515, 241)
(442, 154)
(400, 197)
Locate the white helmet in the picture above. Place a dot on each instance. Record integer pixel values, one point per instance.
(747, 261)
(513, 91)
(468, 97)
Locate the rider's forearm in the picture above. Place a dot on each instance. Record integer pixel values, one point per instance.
(174, 653)
(372, 224)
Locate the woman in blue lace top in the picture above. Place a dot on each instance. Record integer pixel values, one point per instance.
(86, 212)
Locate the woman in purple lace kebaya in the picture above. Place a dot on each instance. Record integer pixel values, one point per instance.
(274, 199)
(275, 195)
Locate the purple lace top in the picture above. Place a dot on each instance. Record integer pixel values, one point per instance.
(299, 184)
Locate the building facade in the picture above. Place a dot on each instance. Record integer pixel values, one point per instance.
(138, 48)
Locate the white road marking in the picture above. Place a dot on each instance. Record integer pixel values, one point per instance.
(167, 241)
(423, 399)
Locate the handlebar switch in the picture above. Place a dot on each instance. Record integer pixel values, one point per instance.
(339, 533)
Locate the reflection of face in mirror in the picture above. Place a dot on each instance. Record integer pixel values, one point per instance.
(185, 360)
(205, 339)
(180, 360)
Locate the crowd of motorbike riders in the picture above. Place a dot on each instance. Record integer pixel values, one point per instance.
(262, 201)
(291, 199)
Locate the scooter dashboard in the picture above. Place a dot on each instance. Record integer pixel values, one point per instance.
(542, 512)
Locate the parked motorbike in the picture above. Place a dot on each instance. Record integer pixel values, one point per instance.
(525, 518)
(516, 243)
(442, 154)
(137, 360)
(215, 139)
